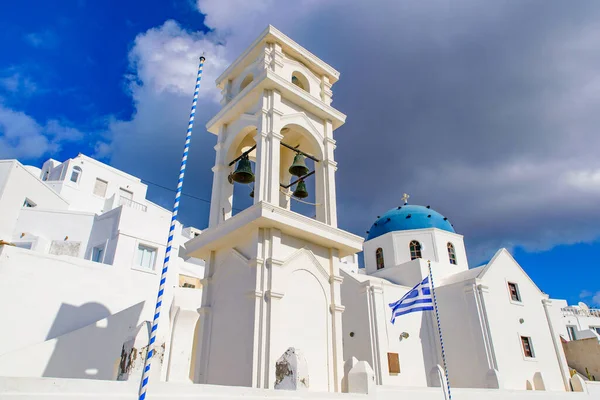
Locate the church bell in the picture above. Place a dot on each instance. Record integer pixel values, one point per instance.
(298, 167)
(243, 172)
(300, 191)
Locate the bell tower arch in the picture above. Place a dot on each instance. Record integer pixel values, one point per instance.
(275, 135)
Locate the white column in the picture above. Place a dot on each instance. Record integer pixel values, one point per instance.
(558, 349)
(336, 308)
(221, 191)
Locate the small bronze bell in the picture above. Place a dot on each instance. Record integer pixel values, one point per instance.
(243, 172)
(298, 167)
(300, 191)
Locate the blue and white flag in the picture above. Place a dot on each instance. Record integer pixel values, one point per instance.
(418, 299)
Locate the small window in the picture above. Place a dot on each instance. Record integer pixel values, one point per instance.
(571, 331)
(513, 288)
(146, 257)
(415, 250)
(247, 80)
(28, 203)
(527, 347)
(393, 363)
(76, 174)
(300, 80)
(24, 245)
(379, 258)
(451, 253)
(45, 176)
(100, 187)
(98, 254)
(595, 329)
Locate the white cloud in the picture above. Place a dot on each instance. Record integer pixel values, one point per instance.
(22, 137)
(494, 128)
(43, 39)
(596, 299)
(585, 294)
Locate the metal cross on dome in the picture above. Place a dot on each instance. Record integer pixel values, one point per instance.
(405, 198)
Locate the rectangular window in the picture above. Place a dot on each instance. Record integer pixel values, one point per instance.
(595, 329)
(98, 254)
(24, 245)
(527, 346)
(75, 176)
(126, 194)
(571, 331)
(28, 203)
(514, 291)
(100, 187)
(146, 256)
(393, 363)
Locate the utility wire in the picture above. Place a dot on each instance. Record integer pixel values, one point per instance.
(183, 194)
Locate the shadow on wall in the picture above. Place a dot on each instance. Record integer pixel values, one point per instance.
(430, 346)
(70, 318)
(94, 351)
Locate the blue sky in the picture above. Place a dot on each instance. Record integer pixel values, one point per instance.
(486, 112)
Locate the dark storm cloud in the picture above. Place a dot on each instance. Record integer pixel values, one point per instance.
(483, 111)
(487, 111)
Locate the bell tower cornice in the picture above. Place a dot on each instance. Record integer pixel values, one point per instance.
(269, 80)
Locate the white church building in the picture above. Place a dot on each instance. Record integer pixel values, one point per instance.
(264, 299)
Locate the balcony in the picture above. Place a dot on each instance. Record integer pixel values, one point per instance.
(124, 201)
(580, 312)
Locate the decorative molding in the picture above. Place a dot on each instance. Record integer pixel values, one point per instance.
(255, 262)
(253, 294)
(483, 288)
(309, 125)
(336, 279)
(276, 135)
(239, 255)
(274, 262)
(336, 308)
(311, 256)
(204, 310)
(206, 281)
(271, 294)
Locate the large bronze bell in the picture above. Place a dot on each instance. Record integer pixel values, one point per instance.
(298, 167)
(300, 191)
(243, 172)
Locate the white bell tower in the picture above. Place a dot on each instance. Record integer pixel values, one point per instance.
(272, 275)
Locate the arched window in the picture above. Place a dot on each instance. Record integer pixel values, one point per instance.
(415, 250)
(246, 81)
(76, 174)
(451, 253)
(300, 80)
(379, 258)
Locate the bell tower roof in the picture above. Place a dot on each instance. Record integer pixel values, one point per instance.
(271, 35)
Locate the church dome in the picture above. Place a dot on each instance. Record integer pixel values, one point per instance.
(408, 217)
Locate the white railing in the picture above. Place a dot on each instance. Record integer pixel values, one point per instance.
(580, 312)
(124, 201)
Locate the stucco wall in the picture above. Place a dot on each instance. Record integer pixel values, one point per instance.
(582, 354)
(19, 185)
(504, 318)
(47, 296)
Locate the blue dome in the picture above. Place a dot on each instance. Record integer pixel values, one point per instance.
(408, 217)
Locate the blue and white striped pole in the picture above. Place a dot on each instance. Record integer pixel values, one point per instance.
(437, 317)
(163, 277)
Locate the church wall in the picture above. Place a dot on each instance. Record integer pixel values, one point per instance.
(386, 243)
(442, 238)
(19, 184)
(291, 244)
(358, 337)
(417, 353)
(48, 296)
(229, 354)
(402, 241)
(463, 335)
(287, 107)
(504, 318)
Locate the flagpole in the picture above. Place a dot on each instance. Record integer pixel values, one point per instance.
(163, 277)
(437, 317)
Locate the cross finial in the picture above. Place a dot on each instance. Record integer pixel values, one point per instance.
(405, 198)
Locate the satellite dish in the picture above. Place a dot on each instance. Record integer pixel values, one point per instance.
(583, 306)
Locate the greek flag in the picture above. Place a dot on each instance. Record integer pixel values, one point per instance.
(418, 299)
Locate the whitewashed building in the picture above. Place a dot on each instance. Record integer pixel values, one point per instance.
(283, 303)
